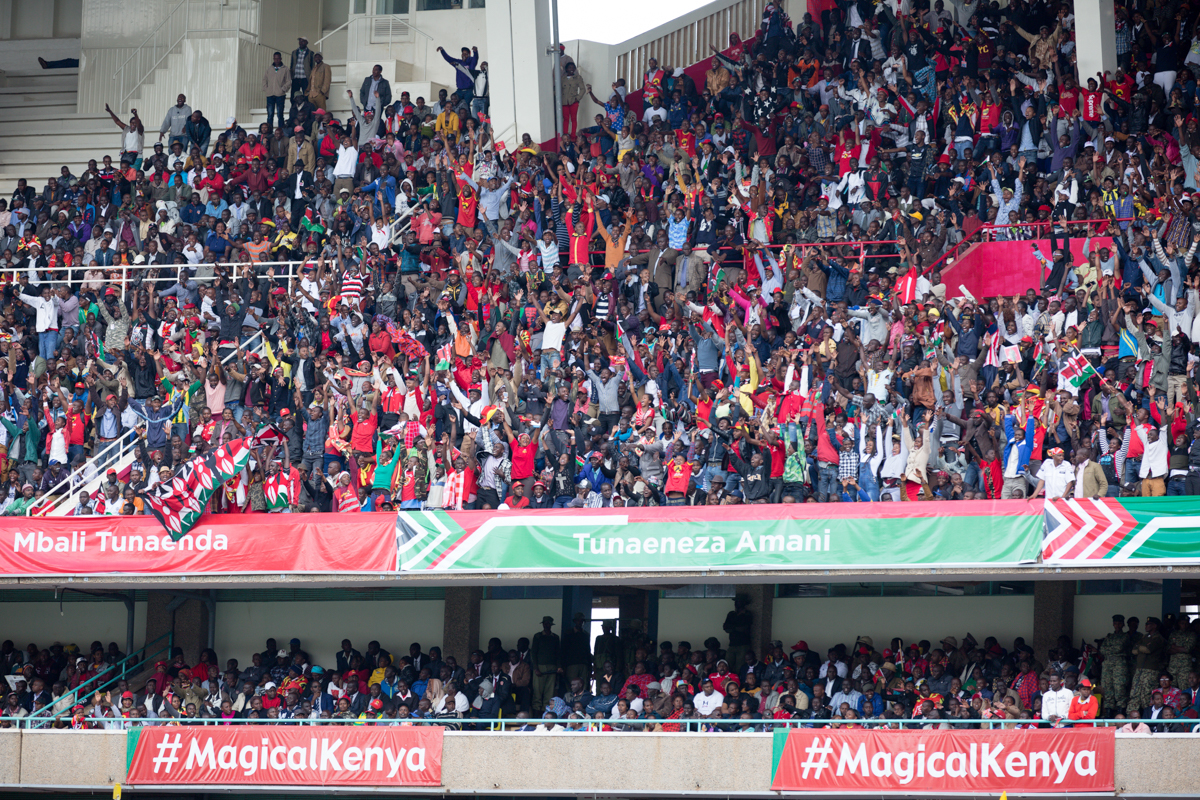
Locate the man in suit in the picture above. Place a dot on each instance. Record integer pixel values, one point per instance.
(1089, 475)
(376, 93)
(319, 80)
(298, 188)
(301, 67)
(300, 148)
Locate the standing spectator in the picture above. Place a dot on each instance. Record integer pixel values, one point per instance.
(132, 136)
(573, 90)
(277, 84)
(319, 81)
(375, 93)
(463, 81)
(301, 67)
(173, 124)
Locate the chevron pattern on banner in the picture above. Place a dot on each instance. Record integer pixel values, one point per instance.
(1126, 529)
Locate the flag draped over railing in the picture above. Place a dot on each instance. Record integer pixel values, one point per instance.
(179, 503)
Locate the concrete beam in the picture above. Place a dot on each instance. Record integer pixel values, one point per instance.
(1105, 571)
(580, 764)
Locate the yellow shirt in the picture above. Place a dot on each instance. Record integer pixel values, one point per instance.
(448, 122)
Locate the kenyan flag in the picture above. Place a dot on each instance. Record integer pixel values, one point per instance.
(277, 489)
(179, 504)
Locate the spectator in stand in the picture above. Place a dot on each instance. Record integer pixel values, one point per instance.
(713, 298)
(277, 85)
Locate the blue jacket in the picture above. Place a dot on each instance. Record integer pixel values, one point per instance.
(462, 81)
(968, 338)
(1024, 447)
(389, 192)
(593, 475)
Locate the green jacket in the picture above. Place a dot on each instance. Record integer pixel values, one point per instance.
(31, 448)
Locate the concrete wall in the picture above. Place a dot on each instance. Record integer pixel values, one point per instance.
(520, 70)
(243, 628)
(1093, 612)
(40, 19)
(512, 619)
(581, 764)
(693, 619)
(77, 623)
(826, 621)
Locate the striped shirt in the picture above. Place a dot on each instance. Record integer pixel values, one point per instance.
(352, 285)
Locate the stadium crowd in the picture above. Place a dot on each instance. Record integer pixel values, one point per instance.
(734, 296)
(569, 684)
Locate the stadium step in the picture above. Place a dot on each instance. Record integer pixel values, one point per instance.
(24, 96)
(42, 79)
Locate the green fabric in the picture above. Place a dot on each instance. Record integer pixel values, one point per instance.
(383, 472)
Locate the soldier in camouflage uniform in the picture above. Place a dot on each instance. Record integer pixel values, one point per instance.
(1149, 655)
(1180, 644)
(1114, 671)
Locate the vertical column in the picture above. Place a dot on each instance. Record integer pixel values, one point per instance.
(460, 623)
(1171, 596)
(762, 606)
(1053, 614)
(187, 617)
(1095, 38)
(520, 70)
(576, 599)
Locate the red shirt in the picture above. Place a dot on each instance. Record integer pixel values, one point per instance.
(522, 459)
(678, 476)
(1091, 104)
(363, 436)
(1069, 99)
(778, 458)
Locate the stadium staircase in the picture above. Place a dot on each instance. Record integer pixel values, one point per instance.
(40, 130)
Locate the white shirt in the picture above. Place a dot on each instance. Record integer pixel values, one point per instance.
(1154, 459)
(1056, 477)
(552, 336)
(47, 311)
(706, 704)
(313, 288)
(653, 113)
(1056, 704)
(347, 159)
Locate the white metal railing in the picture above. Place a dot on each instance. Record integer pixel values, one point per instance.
(187, 18)
(116, 454)
(689, 43)
(319, 44)
(364, 30)
(59, 497)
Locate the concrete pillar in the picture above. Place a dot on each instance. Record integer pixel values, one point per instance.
(1171, 596)
(521, 80)
(188, 620)
(632, 605)
(762, 604)
(1053, 615)
(576, 599)
(460, 625)
(1095, 38)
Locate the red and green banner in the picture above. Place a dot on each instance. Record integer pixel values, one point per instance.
(965, 534)
(1129, 530)
(984, 763)
(250, 755)
(227, 544)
